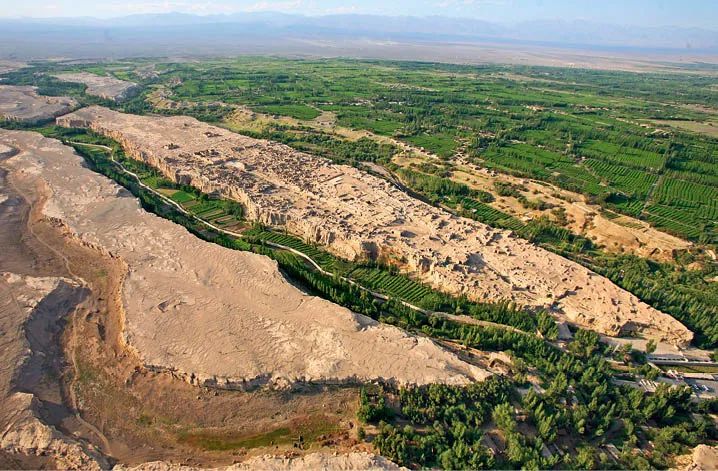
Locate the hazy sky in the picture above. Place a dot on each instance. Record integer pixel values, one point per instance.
(700, 13)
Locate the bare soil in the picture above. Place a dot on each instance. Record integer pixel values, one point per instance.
(141, 416)
(620, 235)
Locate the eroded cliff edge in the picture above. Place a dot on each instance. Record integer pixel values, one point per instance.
(357, 215)
(216, 316)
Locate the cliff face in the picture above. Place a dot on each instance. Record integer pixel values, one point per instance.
(26, 300)
(22, 103)
(107, 87)
(354, 215)
(214, 316)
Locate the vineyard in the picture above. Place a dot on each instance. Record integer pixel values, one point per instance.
(323, 259)
(625, 156)
(687, 207)
(482, 212)
(607, 136)
(399, 286)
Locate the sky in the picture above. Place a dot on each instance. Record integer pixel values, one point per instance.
(686, 13)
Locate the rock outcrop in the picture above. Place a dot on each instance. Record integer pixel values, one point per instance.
(704, 458)
(103, 86)
(356, 215)
(215, 316)
(23, 299)
(21, 103)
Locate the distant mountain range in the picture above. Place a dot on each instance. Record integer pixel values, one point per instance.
(558, 32)
(28, 35)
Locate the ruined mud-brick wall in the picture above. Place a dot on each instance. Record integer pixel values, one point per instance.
(354, 214)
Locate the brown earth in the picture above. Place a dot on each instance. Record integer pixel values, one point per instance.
(622, 234)
(356, 215)
(216, 316)
(704, 458)
(107, 87)
(10, 65)
(292, 462)
(709, 128)
(129, 413)
(22, 103)
(617, 234)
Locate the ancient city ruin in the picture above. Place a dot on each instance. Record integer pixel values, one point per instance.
(107, 87)
(356, 215)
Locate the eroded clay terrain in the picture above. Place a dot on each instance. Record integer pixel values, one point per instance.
(72, 395)
(30, 309)
(356, 215)
(20, 103)
(215, 316)
(313, 461)
(37, 296)
(107, 87)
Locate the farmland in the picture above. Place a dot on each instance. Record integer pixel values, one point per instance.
(417, 441)
(582, 131)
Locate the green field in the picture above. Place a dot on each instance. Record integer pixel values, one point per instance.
(322, 258)
(584, 132)
(399, 286)
(294, 111)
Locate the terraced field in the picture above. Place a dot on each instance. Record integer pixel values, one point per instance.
(323, 259)
(394, 285)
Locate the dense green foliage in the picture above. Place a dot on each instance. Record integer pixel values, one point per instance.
(577, 129)
(338, 150)
(580, 402)
(685, 294)
(588, 131)
(591, 132)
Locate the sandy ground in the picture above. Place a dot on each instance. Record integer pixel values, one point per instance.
(704, 458)
(31, 310)
(221, 317)
(709, 128)
(356, 215)
(24, 104)
(314, 461)
(90, 46)
(37, 295)
(10, 65)
(129, 413)
(107, 87)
